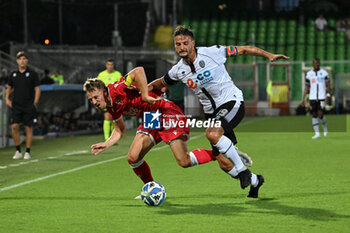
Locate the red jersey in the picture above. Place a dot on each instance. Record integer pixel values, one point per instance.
(129, 102)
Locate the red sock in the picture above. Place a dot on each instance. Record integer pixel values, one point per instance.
(203, 155)
(142, 170)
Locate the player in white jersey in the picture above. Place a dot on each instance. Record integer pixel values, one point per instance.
(318, 86)
(203, 70)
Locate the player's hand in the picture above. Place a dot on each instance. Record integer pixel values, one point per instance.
(278, 56)
(302, 104)
(151, 100)
(98, 148)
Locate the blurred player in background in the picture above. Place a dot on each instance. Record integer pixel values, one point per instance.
(57, 77)
(317, 85)
(24, 83)
(203, 70)
(109, 75)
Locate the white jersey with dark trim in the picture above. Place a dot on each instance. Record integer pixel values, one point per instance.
(317, 82)
(207, 77)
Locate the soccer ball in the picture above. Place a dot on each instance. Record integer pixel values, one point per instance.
(153, 193)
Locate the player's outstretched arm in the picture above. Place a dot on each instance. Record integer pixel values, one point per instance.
(157, 84)
(118, 132)
(254, 51)
(138, 75)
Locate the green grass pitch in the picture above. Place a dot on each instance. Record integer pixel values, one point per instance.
(66, 189)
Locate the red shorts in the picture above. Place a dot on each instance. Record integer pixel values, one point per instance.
(173, 125)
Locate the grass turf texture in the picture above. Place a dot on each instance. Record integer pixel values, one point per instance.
(307, 186)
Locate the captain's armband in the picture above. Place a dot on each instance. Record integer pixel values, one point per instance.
(231, 51)
(128, 81)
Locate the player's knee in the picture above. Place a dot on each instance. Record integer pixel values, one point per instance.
(184, 163)
(132, 158)
(15, 126)
(212, 135)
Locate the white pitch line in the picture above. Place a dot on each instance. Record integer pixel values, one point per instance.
(14, 164)
(75, 169)
(3, 167)
(77, 152)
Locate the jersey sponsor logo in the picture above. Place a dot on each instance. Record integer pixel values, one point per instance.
(202, 79)
(191, 84)
(313, 80)
(151, 120)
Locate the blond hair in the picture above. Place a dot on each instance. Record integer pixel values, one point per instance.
(93, 83)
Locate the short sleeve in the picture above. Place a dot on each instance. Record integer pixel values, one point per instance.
(10, 80)
(116, 117)
(326, 75)
(171, 77)
(217, 52)
(307, 78)
(36, 81)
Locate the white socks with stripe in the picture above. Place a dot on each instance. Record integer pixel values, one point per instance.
(226, 147)
(324, 124)
(315, 126)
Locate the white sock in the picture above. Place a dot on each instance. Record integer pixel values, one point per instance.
(227, 149)
(233, 172)
(324, 124)
(254, 180)
(194, 160)
(315, 125)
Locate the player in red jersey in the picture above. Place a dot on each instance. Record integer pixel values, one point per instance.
(119, 99)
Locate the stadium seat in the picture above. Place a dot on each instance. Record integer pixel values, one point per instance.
(252, 28)
(340, 38)
(281, 49)
(202, 32)
(340, 53)
(292, 24)
(301, 38)
(281, 39)
(310, 53)
(222, 32)
(291, 52)
(331, 22)
(331, 38)
(321, 52)
(213, 32)
(261, 39)
(272, 24)
(300, 53)
(291, 39)
(310, 38)
(330, 55)
(320, 38)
